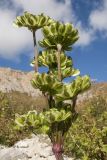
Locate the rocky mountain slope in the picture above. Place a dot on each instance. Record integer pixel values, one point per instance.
(15, 80)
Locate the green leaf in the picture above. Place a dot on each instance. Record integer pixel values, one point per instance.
(46, 83)
(53, 35)
(44, 129)
(104, 148)
(32, 22)
(20, 121)
(75, 72)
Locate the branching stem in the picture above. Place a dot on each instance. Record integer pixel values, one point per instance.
(35, 51)
(50, 100)
(74, 104)
(59, 47)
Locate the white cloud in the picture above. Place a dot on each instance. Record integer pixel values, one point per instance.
(97, 22)
(98, 18)
(59, 11)
(52, 8)
(86, 35)
(14, 42)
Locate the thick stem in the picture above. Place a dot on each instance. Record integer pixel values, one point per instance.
(46, 98)
(102, 156)
(59, 61)
(57, 141)
(74, 104)
(50, 100)
(73, 110)
(58, 151)
(35, 51)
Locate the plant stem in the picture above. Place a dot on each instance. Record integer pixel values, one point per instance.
(59, 61)
(74, 104)
(58, 150)
(57, 141)
(59, 156)
(35, 51)
(75, 114)
(50, 101)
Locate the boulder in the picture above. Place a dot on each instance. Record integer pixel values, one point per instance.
(36, 148)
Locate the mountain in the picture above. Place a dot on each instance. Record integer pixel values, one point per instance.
(16, 80)
(96, 89)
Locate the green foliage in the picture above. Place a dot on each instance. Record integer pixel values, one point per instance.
(32, 22)
(86, 138)
(42, 122)
(5, 109)
(59, 33)
(48, 58)
(57, 119)
(10, 105)
(74, 88)
(46, 83)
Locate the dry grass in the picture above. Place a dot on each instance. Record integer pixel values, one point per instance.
(22, 102)
(11, 104)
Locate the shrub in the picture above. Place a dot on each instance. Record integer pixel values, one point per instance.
(87, 138)
(11, 104)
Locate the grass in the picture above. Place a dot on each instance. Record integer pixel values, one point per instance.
(16, 103)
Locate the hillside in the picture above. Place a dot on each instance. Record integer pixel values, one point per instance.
(96, 89)
(15, 80)
(18, 81)
(17, 88)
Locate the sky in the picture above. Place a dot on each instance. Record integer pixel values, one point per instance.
(88, 16)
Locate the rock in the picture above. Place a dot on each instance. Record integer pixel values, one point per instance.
(2, 147)
(22, 144)
(12, 154)
(16, 80)
(34, 148)
(51, 157)
(46, 152)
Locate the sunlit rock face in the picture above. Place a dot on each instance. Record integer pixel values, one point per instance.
(36, 148)
(14, 80)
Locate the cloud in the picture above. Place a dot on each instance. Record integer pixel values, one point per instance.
(86, 35)
(14, 42)
(97, 22)
(98, 18)
(54, 9)
(59, 11)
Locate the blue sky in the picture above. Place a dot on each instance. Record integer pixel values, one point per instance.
(89, 16)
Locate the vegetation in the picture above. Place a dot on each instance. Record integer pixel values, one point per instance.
(87, 138)
(11, 104)
(55, 120)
